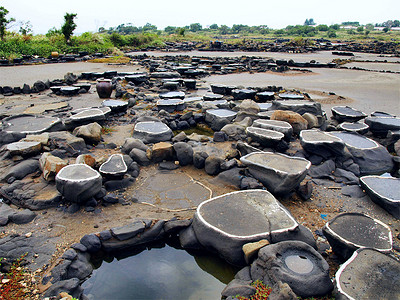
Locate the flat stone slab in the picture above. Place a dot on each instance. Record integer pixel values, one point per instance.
(279, 173)
(317, 141)
(218, 118)
(349, 231)
(352, 281)
(291, 96)
(29, 124)
(384, 191)
(280, 126)
(212, 97)
(299, 106)
(70, 90)
(85, 117)
(242, 94)
(265, 137)
(371, 157)
(225, 223)
(152, 132)
(381, 125)
(137, 78)
(347, 114)
(165, 75)
(114, 166)
(24, 148)
(173, 95)
(360, 128)
(171, 105)
(78, 183)
(264, 106)
(115, 105)
(265, 96)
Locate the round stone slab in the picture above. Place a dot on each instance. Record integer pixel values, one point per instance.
(173, 95)
(299, 106)
(384, 191)
(29, 124)
(349, 231)
(265, 137)
(114, 166)
(347, 114)
(24, 148)
(360, 128)
(381, 125)
(279, 173)
(225, 223)
(115, 105)
(152, 132)
(317, 141)
(383, 281)
(275, 125)
(371, 157)
(78, 183)
(171, 105)
(218, 118)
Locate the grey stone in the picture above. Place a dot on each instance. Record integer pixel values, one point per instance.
(139, 156)
(316, 141)
(22, 169)
(67, 141)
(91, 133)
(152, 132)
(131, 143)
(115, 166)
(299, 106)
(199, 159)
(70, 286)
(80, 267)
(184, 153)
(22, 217)
(238, 287)
(349, 177)
(353, 191)
(91, 242)
(280, 126)
(212, 165)
(218, 118)
(234, 132)
(175, 226)
(325, 170)
(128, 231)
(347, 114)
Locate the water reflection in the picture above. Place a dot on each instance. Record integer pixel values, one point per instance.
(158, 273)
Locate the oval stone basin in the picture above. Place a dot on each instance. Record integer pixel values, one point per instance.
(222, 113)
(77, 172)
(382, 283)
(279, 173)
(29, 124)
(384, 191)
(349, 231)
(114, 166)
(115, 105)
(381, 125)
(262, 96)
(152, 132)
(264, 106)
(355, 140)
(171, 105)
(266, 137)
(291, 96)
(360, 128)
(276, 125)
(347, 113)
(173, 95)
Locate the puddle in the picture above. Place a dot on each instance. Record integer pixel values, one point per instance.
(299, 264)
(160, 273)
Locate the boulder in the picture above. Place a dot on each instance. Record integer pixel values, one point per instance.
(24, 148)
(116, 106)
(317, 142)
(66, 141)
(78, 183)
(184, 153)
(234, 132)
(279, 173)
(161, 151)
(249, 106)
(51, 165)
(22, 169)
(349, 231)
(297, 122)
(218, 118)
(91, 133)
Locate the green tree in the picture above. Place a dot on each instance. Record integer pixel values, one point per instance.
(181, 31)
(386, 29)
(334, 27)
(322, 27)
(4, 22)
(69, 26)
(360, 29)
(331, 34)
(309, 22)
(223, 29)
(25, 28)
(170, 29)
(214, 26)
(195, 27)
(369, 27)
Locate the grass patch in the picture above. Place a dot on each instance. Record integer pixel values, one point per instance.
(112, 60)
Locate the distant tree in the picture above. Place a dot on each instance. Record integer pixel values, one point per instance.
(367, 32)
(181, 31)
(170, 29)
(351, 31)
(351, 23)
(195, 27)
(117, 39)
(396, 23)
(25, 28)
(322, 27)
(102, 29)
(214, 26)
(369, 27)
(69, 26)
(331, 34)
(236, 28)
(360, 29)
(223, 29)
(309, 22)
(53, 31)
(280, 32)
(4, 22)
(334, 27)
(386, 29)
(149, 27)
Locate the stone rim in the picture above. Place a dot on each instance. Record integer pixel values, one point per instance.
(261, 235)
(275, 135)
(361, 115)
(358, 135)
(362, 127)
(167, 129)
(338, 140)
(5, 123)
(97, 174)
(390, 236)
(112, 173)
(272, 123)
(98, 113)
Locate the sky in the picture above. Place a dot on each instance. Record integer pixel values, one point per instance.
(45, 14)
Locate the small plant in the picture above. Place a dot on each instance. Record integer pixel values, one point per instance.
(11, 285)
(106, 130)
(262, 291)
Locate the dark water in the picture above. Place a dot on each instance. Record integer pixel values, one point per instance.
(164, 273)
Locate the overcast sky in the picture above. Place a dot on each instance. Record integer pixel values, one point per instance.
(44, 14)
